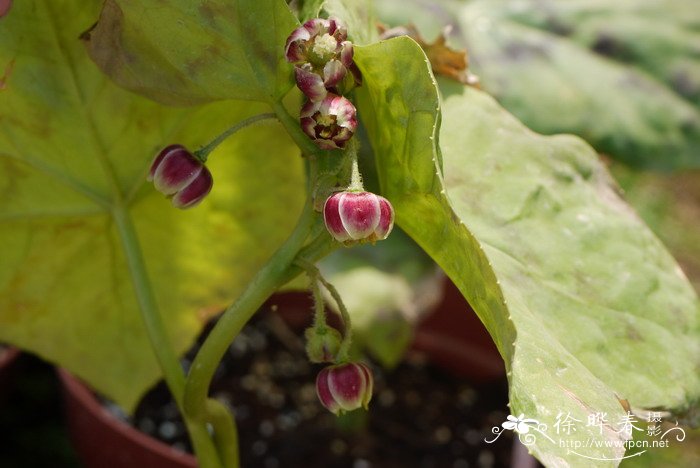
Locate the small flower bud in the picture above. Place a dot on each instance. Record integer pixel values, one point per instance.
(358, 216)
(322, 345)
(330, 122)
(345, 387)
(176, 173)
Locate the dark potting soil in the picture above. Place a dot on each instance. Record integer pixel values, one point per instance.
(420, 415)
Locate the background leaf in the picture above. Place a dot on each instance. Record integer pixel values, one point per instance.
(624, 75)
(387, 288)
(569, 282)
(70, 142)
(670, 205)
(184, 52)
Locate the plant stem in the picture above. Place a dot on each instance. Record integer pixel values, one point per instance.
(162, 347)
(293, 128)
(347, 324)
(272, 275)
(203, 153)
(319, 305)
(314, 272)
(225, 433)
(276, 272)
(355, 177)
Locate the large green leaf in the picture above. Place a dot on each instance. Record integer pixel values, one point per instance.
(70, 143)
(185, 52)
(624, 75)
(584, 303)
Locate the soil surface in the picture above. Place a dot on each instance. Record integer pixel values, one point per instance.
(420, 415)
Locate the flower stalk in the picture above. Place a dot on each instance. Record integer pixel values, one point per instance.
(203, 153)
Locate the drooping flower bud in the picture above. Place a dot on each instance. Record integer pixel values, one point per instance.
(330, 122)
(358, 216)
(176, 173)
(345, 387)
(322, 345)
(322, 55)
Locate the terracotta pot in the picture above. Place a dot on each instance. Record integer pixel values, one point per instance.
(103, 441)
(452, 336)
(8, 366)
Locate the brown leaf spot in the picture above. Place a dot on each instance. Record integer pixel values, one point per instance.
(624, 403)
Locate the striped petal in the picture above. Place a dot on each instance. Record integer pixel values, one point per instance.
(195, 192)
(386, 219)
(331, 217)
(333, 73)
(310, 83)
(359, 213)
(294, 49)
(176, 170)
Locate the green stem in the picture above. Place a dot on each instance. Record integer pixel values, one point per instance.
(272, 275)
(294, 129)
(276, 272)
(347, 324)
(317, 277)
(225, 433)
(165, 354)
(355, 177)
(203, 153)
(319, 305)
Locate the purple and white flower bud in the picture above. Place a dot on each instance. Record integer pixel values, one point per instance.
(358, 216)
(330, 122)
(176, 173)
(345, 387)
(322, 55)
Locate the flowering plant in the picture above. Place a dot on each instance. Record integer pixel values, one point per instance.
(101, 274)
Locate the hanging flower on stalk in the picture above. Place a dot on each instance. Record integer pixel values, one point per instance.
(178, 174)
(358, 216)
(345, 387)
(330, 122)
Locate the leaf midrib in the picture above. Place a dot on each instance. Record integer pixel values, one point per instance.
(116, 193)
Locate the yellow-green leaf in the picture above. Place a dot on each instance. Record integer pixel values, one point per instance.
(584, 303)
(71, 143)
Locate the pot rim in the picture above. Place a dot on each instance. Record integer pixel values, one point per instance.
(86, 397)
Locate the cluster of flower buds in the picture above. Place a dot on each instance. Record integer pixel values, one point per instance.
(177, 173)
(345, 387)
(323, 57)
(358, 216)
(324, 70)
